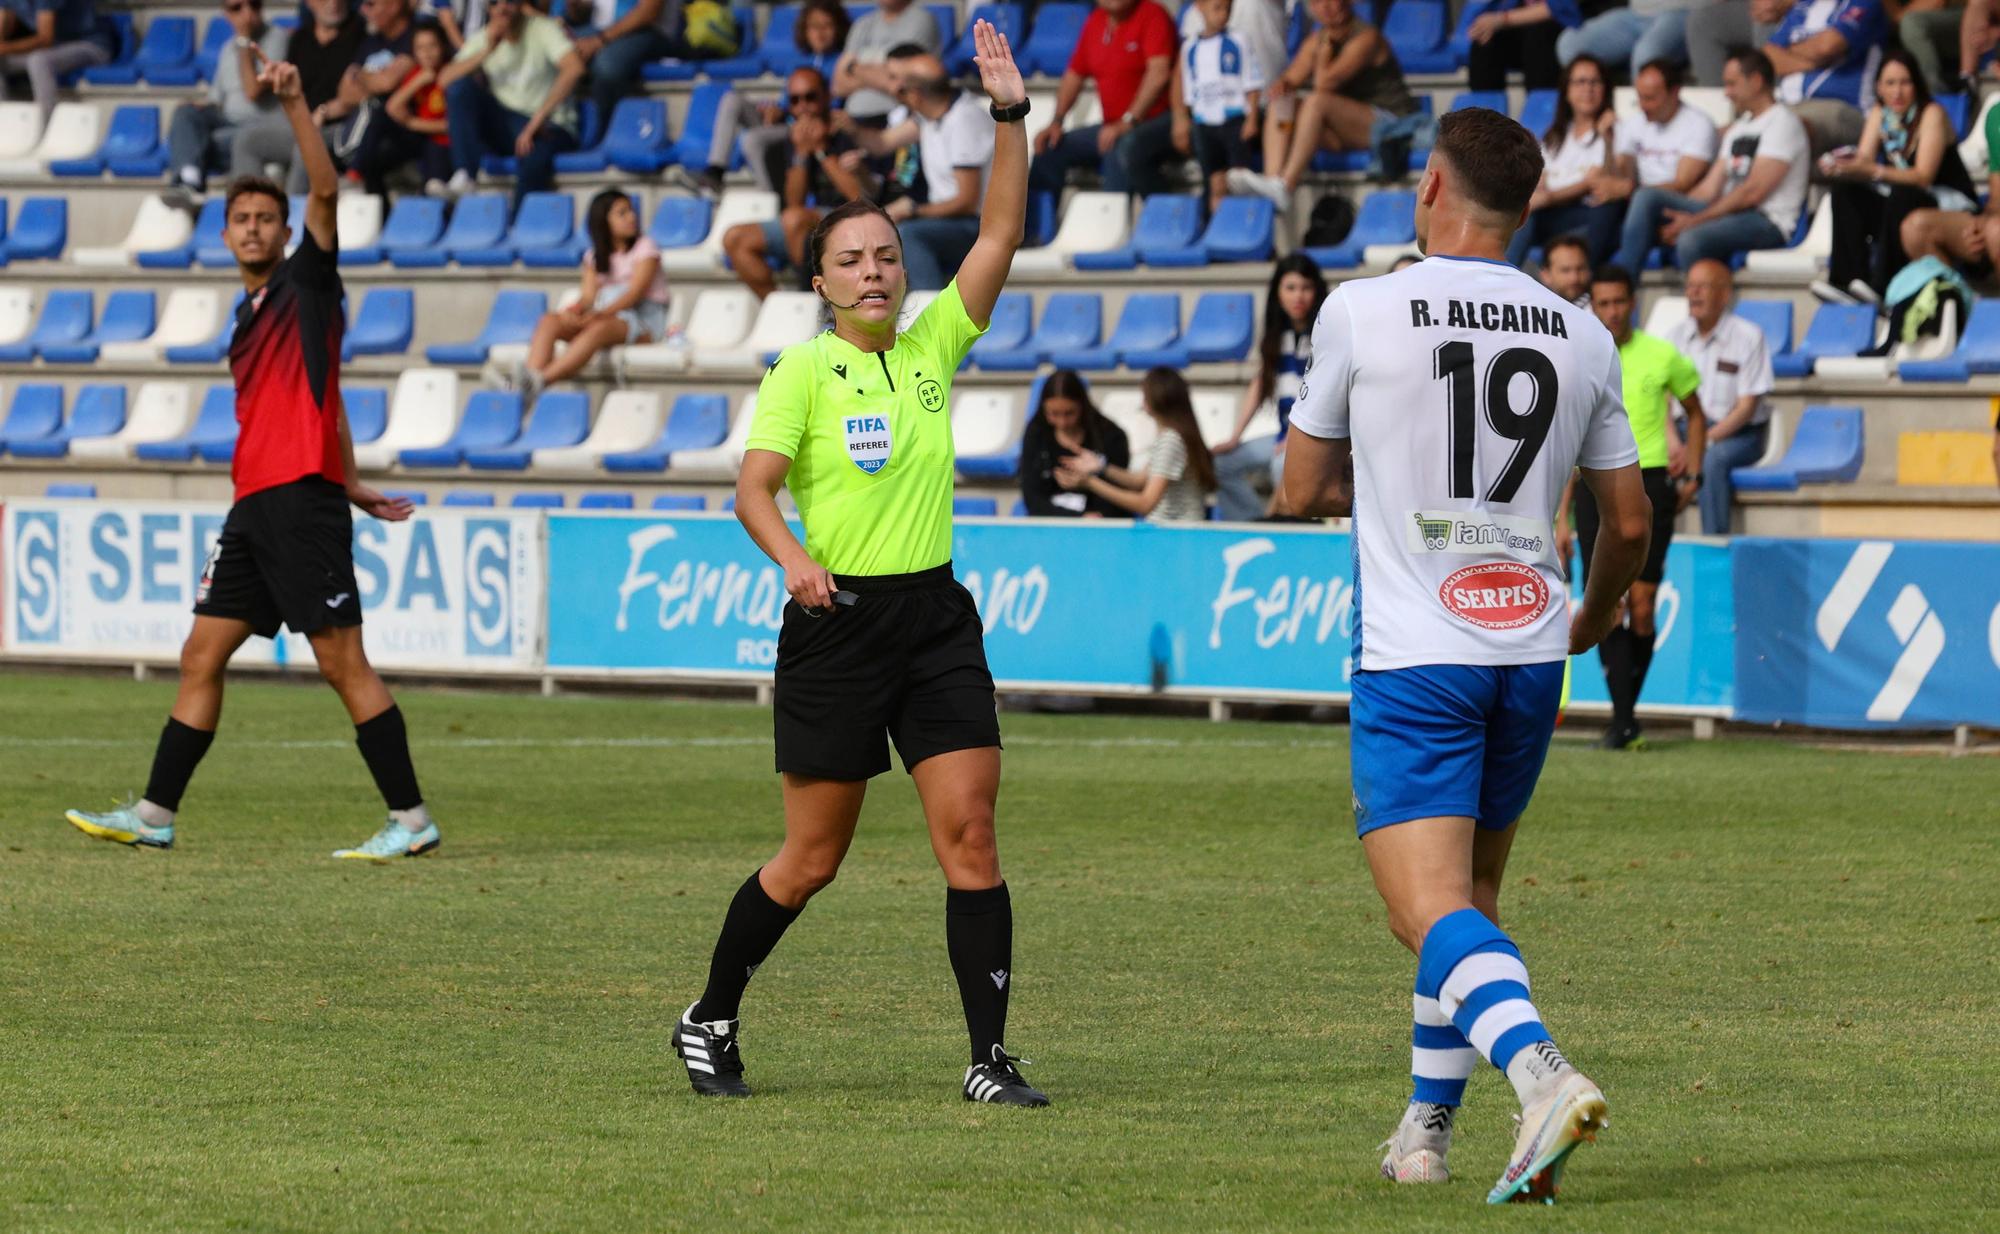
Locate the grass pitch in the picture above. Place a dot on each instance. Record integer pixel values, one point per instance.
(1782, 964)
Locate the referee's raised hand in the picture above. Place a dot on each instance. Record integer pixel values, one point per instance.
(998, 74)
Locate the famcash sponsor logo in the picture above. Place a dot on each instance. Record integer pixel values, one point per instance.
(1478, 532)
(1498, 595)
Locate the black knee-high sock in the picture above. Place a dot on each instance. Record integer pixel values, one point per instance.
(979, 934)
(1642, 660)
(174, 761)
(754, 924)
(1616, 652)
(385, 747)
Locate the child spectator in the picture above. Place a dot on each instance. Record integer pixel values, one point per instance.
(418, 106)
(1067, 426)
(624, 298)
(1216, 108)
(1179, 473)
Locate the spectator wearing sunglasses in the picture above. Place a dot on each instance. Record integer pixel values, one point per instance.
(818, 37)
(43, 39)
(825, 170)
(200, 134)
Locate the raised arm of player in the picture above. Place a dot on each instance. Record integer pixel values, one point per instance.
(1625, 530)
(1003, 217)
(322, 181)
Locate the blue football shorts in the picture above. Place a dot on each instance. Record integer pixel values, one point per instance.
(1450, 740)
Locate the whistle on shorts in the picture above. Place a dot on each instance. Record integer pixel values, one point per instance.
(841, 599)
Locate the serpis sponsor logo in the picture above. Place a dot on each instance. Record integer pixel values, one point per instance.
(1498, 595)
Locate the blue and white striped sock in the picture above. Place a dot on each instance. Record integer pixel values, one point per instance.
(1475, 973)
(1441, 1059)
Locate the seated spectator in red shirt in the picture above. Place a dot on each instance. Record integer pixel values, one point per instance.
(1127, 47)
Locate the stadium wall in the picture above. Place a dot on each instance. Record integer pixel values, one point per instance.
(1857, 634)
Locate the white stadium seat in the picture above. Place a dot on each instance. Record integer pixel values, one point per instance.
(1215, 412)
(984, 422)
(161, 411)
(189, 316)
(155, 226)
(738, 206)
(670, 356)
(17, 313)
(74, 132)
(423, 412)
(723, 461)
(785, 317)
(629, 420)
(1091, 223)
(1127, 410)
(505, 357)
(1809, 257)
(1667, 312)
(720, 320)
(357, 221)
(20, 130)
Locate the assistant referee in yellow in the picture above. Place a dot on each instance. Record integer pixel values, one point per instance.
(879, 642)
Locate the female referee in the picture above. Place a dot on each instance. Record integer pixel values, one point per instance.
(879, 643)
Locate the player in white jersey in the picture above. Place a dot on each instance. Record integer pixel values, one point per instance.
(1445, 406)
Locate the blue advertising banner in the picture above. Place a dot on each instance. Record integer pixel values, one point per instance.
(1868, 633)
(1694, 661)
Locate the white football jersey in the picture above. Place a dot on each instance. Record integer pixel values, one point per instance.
(1469, 392)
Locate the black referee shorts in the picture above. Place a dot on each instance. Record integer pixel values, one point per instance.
(285, 557)
(1665, 497)
(906, 662)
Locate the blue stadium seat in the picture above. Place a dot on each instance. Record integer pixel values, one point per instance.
(384, 325)
(1978, 350)
(1219, 329)
(166, 54)
(974, 507)
(492, 419)
(214, 349)
(536, 501)
(1828, 448)
(1417, 29)
(1460, 43)
(209, 250)
(680, 501)
(1168, 224)
(207, 231)
(131, 147)
(1020, 509)
(947, 23)
(213, 435)
(40, 230)
(779, 54)
(1836, 330)
(367, 412)
(1040, 226)
(681, 222)
(545, 232)
(1774, 318)
(478, 222)
(698, 127)
(129, 316)
(1538, 111)
(71, 489)
(1956, 110)
(35, 417)
(415, 225)
(123, 67)
(410, 495)
(561, 418)
(477, 234)
(587, 136)
(1070, 320)
(697, 422)
(218, 36)
(1240, 230)
(464, 497)
(605, 501)
(1050, 43)
(66, 319)
(99, 412)
(512, 320)
(1008, 330)
(1150, 320)
(749, 58)
(1491, 100)
(635, 141)
(1006, 18)
(1386, 217)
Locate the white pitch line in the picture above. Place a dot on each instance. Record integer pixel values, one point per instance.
(659, 743)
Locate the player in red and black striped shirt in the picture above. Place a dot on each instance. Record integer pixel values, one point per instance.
(286, 554)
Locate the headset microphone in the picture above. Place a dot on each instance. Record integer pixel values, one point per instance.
(837, 304)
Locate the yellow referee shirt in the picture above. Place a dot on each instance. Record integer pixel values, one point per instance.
(869, 436)
(1653, 369)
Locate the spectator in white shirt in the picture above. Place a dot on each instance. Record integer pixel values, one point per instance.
(1216, 97)
(1734, 358)
(1667, 145)
(1574, 151)
(953, 133)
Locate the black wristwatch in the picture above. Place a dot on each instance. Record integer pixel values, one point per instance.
(1007, 115)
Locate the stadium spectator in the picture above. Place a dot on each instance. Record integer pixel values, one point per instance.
(323, 50)
(1734, 360)
(1907, 161)
(1291, 305)
(1928, 30)
(44, 39)
(374, 143)
(1356, 81)
(200, 134)
(507, 92)
(1576, 151)
(1717, 30)
(418, 108)
(624, 298)
(825, 169)
(1634, 34)
(1566, 269)
(952, 130)
(1824, 53)
(1978, 36)
(1179, 472)
(1259, 27)
(649, 30)
(862, 76)
(1219, 84)
(459, 19)
(1067, 426)
(1127, 48)
(1511, 35)
(819, 33)
(1667, 145)
(1750, 199)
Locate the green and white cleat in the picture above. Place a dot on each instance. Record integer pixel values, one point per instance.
(123, 826)
(1572, 1112)
(393, 841)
